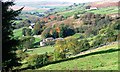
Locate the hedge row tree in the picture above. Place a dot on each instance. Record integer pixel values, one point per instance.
(61, 30)
(27, 42)
(65, 30)
(59, 52)
(46, 33)
(116, 25)
(84, 45)
(9, 43)
(23, 23)
(62, 47)
(72, 44)
(37, 28)
(26, 32)
(37, 60)
(21, 54)
(75, 16)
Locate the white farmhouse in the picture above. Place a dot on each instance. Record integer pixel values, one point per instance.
(30, 27)
(49, 39)
(42, 43)
(93, 8)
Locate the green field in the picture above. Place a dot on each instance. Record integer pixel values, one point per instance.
(17, 21)
(41, 50)
(69, 13)
(77, 35)
(108, 10)
(17, 32)
(104, 58)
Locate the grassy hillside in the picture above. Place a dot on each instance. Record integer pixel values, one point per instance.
(108, 10)
(103, 58)
(18, 32)
(41, 50)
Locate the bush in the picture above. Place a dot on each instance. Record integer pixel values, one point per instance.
(58, 55)
(61, 30)
(83, 45)
(27, 42)
(37, 60)
(26, 32)
(63, 47)
(98, 40)
(75, 16)
(38, 28)
(46, 33)
(22, 55)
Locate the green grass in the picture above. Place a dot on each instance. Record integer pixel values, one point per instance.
(17, 21)
(17, 32)
(77, 35)
(37, 39)
(104, 58)
(71, 12)
(108, 10)
(67, 13)
(41, 50)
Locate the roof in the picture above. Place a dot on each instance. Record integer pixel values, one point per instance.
(32, 23)
(50, 38)
(59, 39)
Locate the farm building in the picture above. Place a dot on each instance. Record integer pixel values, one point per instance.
(92, 8)
(59, 39)
(42, 43)
(49, 41)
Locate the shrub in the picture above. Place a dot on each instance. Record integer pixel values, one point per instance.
(46, 33)
(83, 45)
(27, 42)
(58, 55)
(75, 16)
(20, 54)
(37, 60)
(61, 30)
(63, 47)
(38, 28)
(26, 32)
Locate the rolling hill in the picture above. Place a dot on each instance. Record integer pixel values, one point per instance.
(106, 3)
(103, 58)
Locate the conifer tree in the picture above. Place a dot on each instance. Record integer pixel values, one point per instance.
(9, 43)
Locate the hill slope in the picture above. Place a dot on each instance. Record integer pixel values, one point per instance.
(106, 3)
(104, 58)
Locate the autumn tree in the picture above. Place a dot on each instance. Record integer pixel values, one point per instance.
(60, 50)
(72, 44)
(62, 47)
(46, 33)
(38, 28)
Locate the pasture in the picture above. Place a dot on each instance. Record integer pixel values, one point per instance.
(18, 32)
(41, 50)
(104, 58)
(108, 10)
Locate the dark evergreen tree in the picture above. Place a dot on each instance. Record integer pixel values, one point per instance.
(9, 43)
